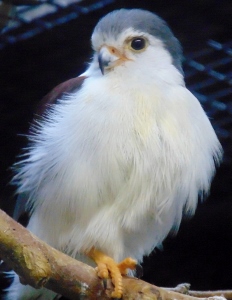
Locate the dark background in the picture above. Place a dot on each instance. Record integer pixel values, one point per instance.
(201, 252)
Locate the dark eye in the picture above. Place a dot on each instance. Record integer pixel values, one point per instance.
(138, 43)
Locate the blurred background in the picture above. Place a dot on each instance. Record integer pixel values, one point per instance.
(43, 43)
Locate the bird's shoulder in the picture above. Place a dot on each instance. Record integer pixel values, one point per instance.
(57, 92)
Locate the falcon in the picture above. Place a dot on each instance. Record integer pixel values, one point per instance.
(118, 154)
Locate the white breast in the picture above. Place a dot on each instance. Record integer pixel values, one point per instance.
(114, 166)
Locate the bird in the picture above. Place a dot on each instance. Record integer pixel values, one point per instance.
(118, 155)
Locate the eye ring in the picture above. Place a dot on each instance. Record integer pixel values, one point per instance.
(138, 43)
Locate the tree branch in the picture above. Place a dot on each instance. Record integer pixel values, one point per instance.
(184, 288)
(40, 265)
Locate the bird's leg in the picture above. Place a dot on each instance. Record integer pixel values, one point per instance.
(107, 267)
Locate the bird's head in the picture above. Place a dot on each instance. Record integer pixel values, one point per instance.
(135, 38)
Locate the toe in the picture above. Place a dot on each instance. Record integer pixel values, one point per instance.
(116, 295)
(102, 270)
(127, 263)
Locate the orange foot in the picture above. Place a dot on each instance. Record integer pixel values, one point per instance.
(107, 266)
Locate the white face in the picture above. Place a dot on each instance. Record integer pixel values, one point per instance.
(131, 49)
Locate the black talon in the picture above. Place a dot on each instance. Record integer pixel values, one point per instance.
(104, 281)
(139, 271)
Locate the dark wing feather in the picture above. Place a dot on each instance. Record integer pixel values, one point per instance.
(65, 87)
(20, 212)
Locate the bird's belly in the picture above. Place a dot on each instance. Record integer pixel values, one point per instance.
(116, 179)
(110, 202)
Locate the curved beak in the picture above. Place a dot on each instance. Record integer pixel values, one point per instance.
(107, 57)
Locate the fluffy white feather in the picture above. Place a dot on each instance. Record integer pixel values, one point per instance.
(115, 164)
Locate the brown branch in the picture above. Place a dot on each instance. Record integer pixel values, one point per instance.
(43, 266)
(205, 294)
(184, 288)
(40, 265)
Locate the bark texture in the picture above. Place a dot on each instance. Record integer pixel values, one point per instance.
(40, 265)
